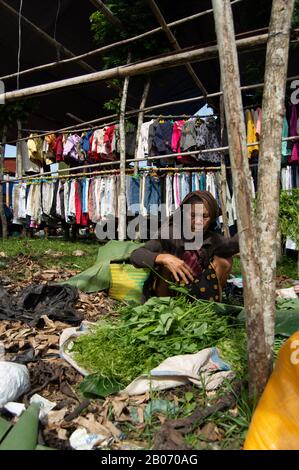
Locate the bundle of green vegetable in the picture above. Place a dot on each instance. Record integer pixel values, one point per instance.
(145, 335)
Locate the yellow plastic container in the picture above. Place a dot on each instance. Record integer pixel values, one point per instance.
(127, 282)
(275, 422)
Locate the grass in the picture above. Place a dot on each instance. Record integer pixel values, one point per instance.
(36, 248)
(287, 267)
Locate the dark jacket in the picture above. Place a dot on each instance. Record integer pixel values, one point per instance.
(214, 244)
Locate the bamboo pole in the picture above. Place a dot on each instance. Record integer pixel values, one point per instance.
(47, 37)
(146, 66)
(257, 357)
(140, 118)
(19, 162)
(174, 43)
(270, 159)
(122, 203)
(2, 213)
(121, 43)
(223, 195)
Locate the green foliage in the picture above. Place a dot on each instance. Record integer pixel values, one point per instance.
(11, 112)
(136, 19)
(289, 214)
(295, 18)
(113, 105)
(145, 335)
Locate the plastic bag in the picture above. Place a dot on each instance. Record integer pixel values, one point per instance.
(275, 423)
(14, 381)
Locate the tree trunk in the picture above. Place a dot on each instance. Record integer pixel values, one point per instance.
(122, 203)
(270, 157)
(257, 357)
(140, 117)
(2, 213)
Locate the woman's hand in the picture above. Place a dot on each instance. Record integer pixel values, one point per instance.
(178, 268)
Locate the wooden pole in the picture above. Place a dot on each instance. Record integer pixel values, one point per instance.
(146, 66)
(140, 118)
(270, 158)
(258, 365)
(42, 34)
(174, 43)
(19, 162)
(122, 203)
(2, 213)
(223, 194)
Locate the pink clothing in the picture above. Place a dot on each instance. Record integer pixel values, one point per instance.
(258, 122)
(293, 132)
(176, 136)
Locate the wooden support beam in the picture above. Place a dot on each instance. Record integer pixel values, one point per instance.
(146, 66)
(19, 161)
(174, 43)
(140, 118)
(3, 220)
(47, 37)
(257, 357)
(273, 106)
(223, 181)
(107, 13)
(122, 201)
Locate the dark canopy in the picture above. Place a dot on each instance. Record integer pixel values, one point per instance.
(73, 31)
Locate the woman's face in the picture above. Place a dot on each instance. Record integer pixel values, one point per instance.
(200, 217)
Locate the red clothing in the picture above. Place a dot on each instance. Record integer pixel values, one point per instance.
(58, 148)
(108, 137)
(78, 203)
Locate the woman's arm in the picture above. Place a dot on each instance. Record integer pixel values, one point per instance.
(152, 254)
(145, 256)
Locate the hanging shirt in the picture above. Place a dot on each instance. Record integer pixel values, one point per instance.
(108, 138)
(34, 203)
(35, 149)
(58, 147)
(176, 191)
(72, 147)
(143, 142)
(293, 132)
(285, 148)
(98, 145)
(163, 138)
(258, 122)
(58, 200)
(188, 135)
(85, 190)
(176, 136)
(168, 197)
(47, 197)
(19, 202)
(251, 135)
(72, 201)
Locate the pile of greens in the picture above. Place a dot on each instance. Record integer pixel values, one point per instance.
(145, 335)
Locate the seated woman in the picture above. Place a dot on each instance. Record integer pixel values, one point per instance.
(205, 270)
